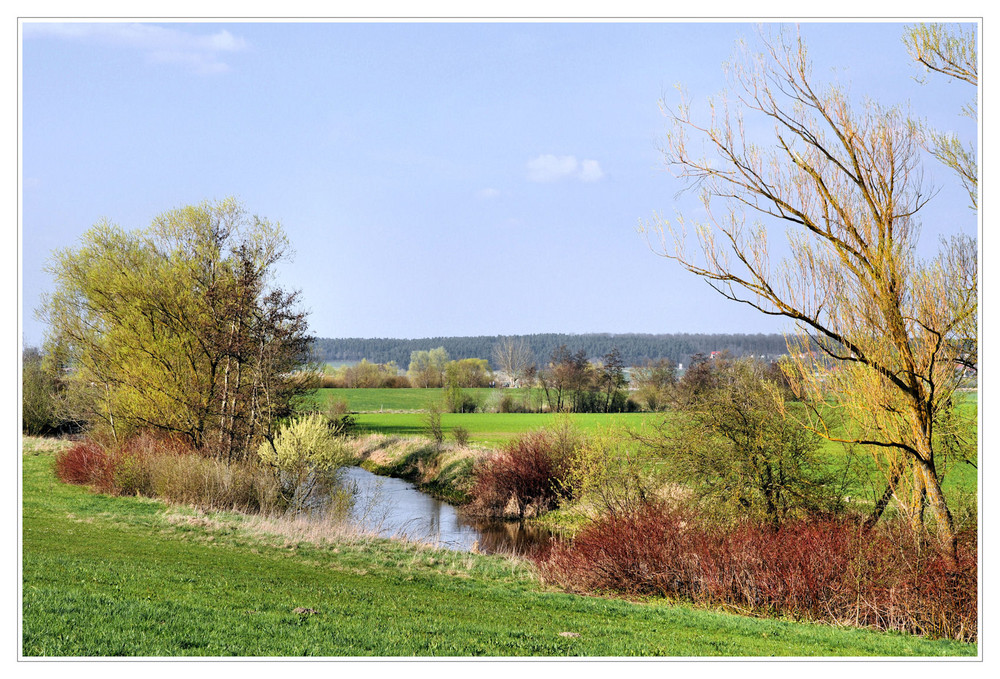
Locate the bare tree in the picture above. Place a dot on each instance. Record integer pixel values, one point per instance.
(878, 327)
(953, 53)
(514, 357)
(950, 51)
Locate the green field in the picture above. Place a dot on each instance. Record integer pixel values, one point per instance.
(376, 400)
(492, 428)
(107, 576)
(402, 412)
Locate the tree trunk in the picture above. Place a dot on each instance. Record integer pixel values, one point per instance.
(939, 507)
(883, 501)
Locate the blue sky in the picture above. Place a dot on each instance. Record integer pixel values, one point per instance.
(433, 178)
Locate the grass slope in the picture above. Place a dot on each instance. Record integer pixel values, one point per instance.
(107, 576)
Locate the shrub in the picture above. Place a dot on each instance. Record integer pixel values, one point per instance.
(461, 435)
(432, 420)
(84, 464)
(397, 382)
(132, 462)
(509, 404)
(607, 474)
(739, 453)
(338, 417)
(306, 455)
(328, 381)
(459, 401)
(168, 468)
(212, 483)
(528, 476)
(337, 406)
(821, 569)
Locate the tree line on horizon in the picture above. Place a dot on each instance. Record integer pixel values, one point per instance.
(634, 349)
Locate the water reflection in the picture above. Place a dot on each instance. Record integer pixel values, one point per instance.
(394, 508)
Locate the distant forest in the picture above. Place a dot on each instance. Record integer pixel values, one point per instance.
(635, 349)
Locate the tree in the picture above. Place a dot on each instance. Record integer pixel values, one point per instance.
(367, 375)
(581, 382)
(944, 50)
(472, 372)
(612, 380)
(364, 375)
(952, 53)
(180, 328)
(513, 357)
(736, 451)
(654, 381)
(455, 399)
(559, 378)
(38, 394)
(877, 325)
(427, 367)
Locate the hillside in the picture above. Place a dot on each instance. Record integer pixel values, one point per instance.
(635, 349)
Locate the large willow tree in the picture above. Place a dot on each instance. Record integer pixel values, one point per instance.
(880, 327)
(180, 327)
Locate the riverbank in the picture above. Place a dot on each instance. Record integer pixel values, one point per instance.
(442, 470)
(126, 576)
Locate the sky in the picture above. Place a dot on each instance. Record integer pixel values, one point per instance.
(434, 179)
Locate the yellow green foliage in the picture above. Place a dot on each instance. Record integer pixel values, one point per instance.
(307, 457)
(607, 475)
(304, 444)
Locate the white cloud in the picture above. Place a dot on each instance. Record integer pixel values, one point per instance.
(200, 53)
(487, 193)
(590, 171)
(549, 168)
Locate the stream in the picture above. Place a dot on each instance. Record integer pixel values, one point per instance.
(392, 507)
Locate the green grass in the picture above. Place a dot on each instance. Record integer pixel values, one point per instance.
(492, 428)
(375, 400)
(379, 413)
(107, 576)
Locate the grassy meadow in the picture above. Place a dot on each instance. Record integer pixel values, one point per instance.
(492, 428)
(377, 400)
(125, 576)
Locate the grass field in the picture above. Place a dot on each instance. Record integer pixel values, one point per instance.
(376, 400)
(492, 428)
(107, 576)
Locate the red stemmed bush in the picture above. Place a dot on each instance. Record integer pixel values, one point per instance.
(825, 569)
(84, 463)
(526, 477)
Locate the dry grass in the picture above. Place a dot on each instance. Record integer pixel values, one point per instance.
(35, 445)
(165, 468)
(301, 528)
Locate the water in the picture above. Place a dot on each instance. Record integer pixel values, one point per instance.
(392, 507)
